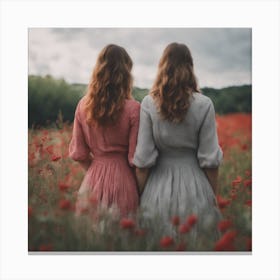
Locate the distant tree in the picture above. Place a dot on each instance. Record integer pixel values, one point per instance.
(50, 99)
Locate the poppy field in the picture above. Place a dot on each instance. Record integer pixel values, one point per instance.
(54, 179)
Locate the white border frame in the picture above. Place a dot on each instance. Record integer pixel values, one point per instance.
(18, 16)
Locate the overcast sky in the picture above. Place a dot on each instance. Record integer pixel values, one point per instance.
(222, 56)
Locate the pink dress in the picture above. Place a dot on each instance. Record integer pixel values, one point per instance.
(110, 180)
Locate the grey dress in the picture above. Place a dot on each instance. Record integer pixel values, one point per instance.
(176, 154)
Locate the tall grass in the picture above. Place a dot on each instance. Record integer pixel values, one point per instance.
(53, 181)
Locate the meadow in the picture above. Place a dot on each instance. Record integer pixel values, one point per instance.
(54, 179)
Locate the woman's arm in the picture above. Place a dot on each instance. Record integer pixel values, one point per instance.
(86, 163)
(141, 177)
(212, 176)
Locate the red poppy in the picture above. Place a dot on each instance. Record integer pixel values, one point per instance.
(166, 241)
(49, 149)
(248, 173)
(184, 228)
(31, 157)
(248, 203)
(192, 219)
(56, 158)
(226, 242)
(175, 220)
(244, 147)
(247, 182)
(30, 211)
(64, 204)
(63, 186)
(236, 181)
(46, 247)
(127, 223)
(181, 246)
(222, 202)
(224, 225)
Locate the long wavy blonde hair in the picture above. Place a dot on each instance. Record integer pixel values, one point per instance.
(175, 82)
(110, 86)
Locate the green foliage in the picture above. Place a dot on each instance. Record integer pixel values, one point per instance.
(139, 93)
(49, 97)
(231, 99)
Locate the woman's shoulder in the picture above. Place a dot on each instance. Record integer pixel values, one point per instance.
(201, 101)
(81, 106)
(200, 98)
(81, 103)
(201, 105)
(132, 107)
(132, 103)
(147, 103)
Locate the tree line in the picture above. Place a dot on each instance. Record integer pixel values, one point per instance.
(50, 99)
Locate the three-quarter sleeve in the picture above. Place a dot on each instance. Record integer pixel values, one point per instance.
(146, 152)
(133, 132)
(78, 148)
(209, 152)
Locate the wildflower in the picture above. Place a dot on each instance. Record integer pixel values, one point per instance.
(56, 158)
(30, 211)
(31, 157)
(166, 241)
(226, 242)
(237, 181)
(64, 204)
(244, 147)
(175, 220)
(46, 247)
(40, 171)
(248, 203)
(127, 223)
(247, 182)
(224, 225)
(248, 173)
(181, 247)
(63, 186)
(184, 228)
(49, 149)
(222, 202)
(192, 219)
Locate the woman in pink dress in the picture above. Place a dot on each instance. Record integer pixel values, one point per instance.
(105, 134)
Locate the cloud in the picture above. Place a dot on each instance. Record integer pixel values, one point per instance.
(222, 56)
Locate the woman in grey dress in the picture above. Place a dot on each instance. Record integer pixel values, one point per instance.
(177, 154)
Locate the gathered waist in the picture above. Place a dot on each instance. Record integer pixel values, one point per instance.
(110, 156)
(178, 157)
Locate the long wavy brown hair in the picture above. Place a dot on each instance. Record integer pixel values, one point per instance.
(175, 82)
(109, 87)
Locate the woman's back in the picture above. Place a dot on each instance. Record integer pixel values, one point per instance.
(177, 154)
(196, 134)
(109, 178)
(119, 138)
